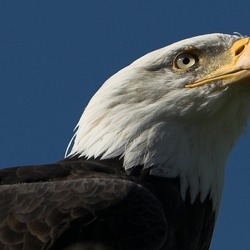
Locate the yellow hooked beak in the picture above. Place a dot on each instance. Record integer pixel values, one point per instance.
(236, 70)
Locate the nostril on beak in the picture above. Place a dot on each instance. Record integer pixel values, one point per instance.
(239, 50)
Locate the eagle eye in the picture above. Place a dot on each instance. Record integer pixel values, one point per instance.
(185, 60)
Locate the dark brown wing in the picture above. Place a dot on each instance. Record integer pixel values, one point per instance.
(190, 224)
(55, 206)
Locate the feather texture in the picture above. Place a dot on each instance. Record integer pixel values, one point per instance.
(93, 204)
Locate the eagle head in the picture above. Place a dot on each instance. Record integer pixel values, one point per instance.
(176, 111)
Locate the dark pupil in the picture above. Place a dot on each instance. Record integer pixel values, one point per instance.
(186, 60)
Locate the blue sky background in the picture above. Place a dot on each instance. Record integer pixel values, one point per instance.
(55, 54)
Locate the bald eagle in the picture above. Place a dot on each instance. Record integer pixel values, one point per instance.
(145, 167)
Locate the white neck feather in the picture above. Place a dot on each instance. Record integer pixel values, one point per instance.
(194, 149)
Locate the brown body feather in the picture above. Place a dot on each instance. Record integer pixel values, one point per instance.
(94, 204)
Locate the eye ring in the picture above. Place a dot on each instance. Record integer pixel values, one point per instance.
(185, 60)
